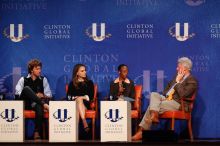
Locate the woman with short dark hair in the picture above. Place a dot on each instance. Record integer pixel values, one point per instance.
(122, 86)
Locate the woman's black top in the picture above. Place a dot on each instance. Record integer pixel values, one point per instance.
(84, 88)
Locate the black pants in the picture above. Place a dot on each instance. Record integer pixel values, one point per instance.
(33, 102)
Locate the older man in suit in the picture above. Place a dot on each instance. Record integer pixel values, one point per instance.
(183, 85)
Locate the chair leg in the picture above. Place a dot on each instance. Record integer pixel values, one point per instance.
(136, 124)
(44, 131)
(93, 128)
(172, 123)
(190, 130)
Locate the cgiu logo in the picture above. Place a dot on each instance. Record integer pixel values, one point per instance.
(113, 115)
(185, 35)
(93, 33)
(9, 32)
(9, 115)
(61, 115)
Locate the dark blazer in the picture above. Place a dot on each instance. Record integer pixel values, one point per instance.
(185, 89)
(128, 92)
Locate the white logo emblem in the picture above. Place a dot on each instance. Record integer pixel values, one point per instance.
(94, 32)
(11, 32)
(186, 34)
(194, 2)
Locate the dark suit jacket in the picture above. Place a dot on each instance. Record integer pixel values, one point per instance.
(184, 89)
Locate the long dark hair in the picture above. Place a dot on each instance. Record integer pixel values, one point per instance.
(74, 75)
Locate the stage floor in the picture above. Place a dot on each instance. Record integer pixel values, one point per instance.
(203, 142)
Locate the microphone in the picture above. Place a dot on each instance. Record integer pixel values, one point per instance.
(123, 84)
(111, 97)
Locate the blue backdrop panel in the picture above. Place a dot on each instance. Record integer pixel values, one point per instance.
(140, 33)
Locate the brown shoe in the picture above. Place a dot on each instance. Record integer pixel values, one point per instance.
(138, 135)
(154, 116)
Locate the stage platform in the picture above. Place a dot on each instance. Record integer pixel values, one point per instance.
(200, 142)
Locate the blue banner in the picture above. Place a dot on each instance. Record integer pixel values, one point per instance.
(147, 35)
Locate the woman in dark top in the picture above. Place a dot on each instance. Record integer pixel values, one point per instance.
(81, 90)
(122, 86)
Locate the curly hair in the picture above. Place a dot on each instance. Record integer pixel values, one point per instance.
(33, 63)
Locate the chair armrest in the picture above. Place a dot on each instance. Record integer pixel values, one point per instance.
(183, 104)
(187, 99)
(138, 97)
(191, 99)
(93, 104)
(138, 106)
